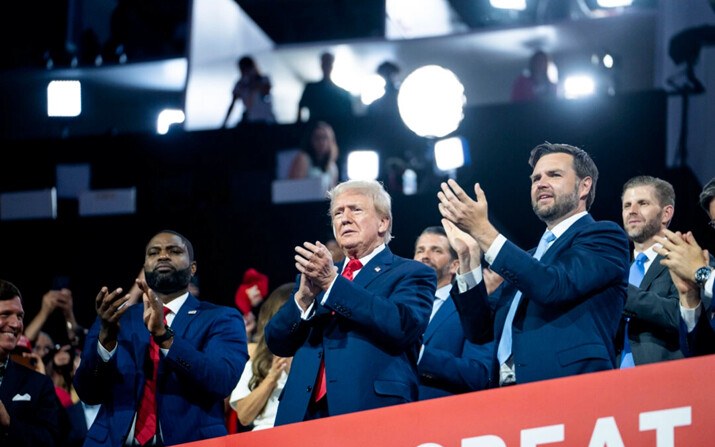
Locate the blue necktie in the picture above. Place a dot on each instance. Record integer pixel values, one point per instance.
(504, 350)
(635, 277)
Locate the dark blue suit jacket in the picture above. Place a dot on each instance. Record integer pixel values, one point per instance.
(450, 363)
(653, 310)
(30, 400)
(701, 341)
(202, 367)
(570, 308)
(369, 331)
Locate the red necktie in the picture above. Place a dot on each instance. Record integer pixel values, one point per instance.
(146, 416)
(320, 389)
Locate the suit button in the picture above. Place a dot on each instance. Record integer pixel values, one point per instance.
(309, 388)
(320, 355)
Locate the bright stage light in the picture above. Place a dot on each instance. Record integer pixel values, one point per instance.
(517, 5)
(431, 101)
(614, 3)
(373, 89)
(167, 117)
(449, 154)
(64, 98)
(363, 165)
(579, 86)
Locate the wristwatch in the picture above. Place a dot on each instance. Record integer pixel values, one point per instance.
(702, 275)
(165, 336)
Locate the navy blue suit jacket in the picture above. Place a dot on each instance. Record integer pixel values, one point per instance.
(570, 308)
(368, 331)
(450, 363)
(202, 367)
(30, 400)
(653, 310)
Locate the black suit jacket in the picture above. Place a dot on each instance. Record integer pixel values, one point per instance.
(654, 312)
(30, 400)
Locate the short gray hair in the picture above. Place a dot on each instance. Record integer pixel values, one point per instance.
(369, 188)
(707, 196)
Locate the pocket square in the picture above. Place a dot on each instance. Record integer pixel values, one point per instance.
(21, 398)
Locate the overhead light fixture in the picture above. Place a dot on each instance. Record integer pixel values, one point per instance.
(516, 5)
(64, 98)
(363, 165)
(407, 19)
(450, 153)
(614, 3)
(166, 118)
(431, 101)
(578, 86)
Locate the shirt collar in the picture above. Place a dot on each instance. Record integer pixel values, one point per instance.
(443, 292)
(561, 228)
(367, 258)
(649, 252)
(175, 304)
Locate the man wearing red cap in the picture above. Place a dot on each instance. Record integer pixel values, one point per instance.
(248, 296)
(353, 328)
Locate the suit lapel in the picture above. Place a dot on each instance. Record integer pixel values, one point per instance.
(10, 383)
(654, 270)
(564, 240)
(377, 266)
(556, 247)
(445, 310)
(188, 311)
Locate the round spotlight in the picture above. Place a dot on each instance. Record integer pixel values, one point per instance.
(607, 60)
(431, 101)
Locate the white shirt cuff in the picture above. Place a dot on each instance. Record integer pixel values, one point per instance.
(327, 292)
(708, 287)
(469, 280)
(305, 314)
(494, 249)
(690, 316)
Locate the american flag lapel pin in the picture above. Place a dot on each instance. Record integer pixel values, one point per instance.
(377, 269)
(192, 312)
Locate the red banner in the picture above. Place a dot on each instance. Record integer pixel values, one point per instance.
(664, 404)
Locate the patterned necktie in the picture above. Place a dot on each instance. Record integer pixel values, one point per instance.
(504, 350)
(320, 388)
(635, 277)
(145, 429)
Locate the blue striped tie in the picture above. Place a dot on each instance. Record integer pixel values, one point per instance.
(504, 350)
(635, 277)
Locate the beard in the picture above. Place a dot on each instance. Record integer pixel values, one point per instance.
(167, 283)
(647, 231)
(563, 205)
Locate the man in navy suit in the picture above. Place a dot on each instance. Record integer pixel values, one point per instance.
(200, 350)
(448, 363)
(557, 312)
(693, 273)
(29, 407)
(354, 330)
(650, 326)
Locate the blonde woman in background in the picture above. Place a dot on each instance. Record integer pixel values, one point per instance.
(255, 398)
